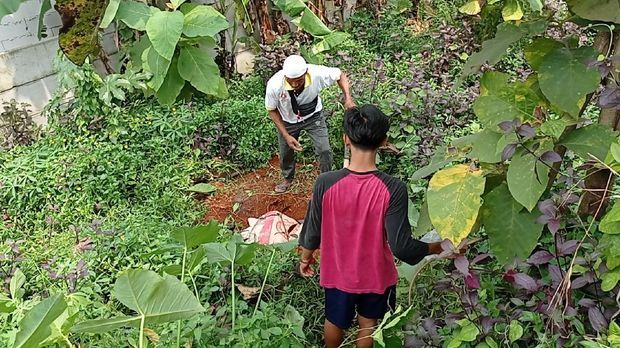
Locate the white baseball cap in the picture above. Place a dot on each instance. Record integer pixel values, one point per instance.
(294, 66)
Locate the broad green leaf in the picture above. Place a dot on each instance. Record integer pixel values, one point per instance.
(424, 222)
(515, 331)
(609, 245)
(155, 299)
(8, 7)
(15, 286)
(592, 140)
(34, 327)
(158, 299)
(6, 304)
(491, 342)
(203, 188)
(46, 5)
(512, 11)
(198, 67)
(514, 101)
(536, 51)
(110, 13)
(191, 237)
(413, 215)
(468, 333)
(105, 325)
(610, 279)
(429, 169)
(493, 81)
(471, 8)
(596, 10)
(312, 24)
(292, 8)
(492, 50)
(610, 223)
(536, 5)
(156, 65)
(204, 21)
(164, 30)
(553, 128)
(137, 50)
(135, 14)
(454, 200)
(174, 270)
(329, 42)
(527, 178)
(566, 80)
(484, 146)
(226, 253)
(195, 259)
(615, 152)
(172, 85)
(512, 231)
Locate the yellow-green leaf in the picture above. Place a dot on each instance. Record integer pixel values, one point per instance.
(471, 8)
(512, 11)
(454, 201)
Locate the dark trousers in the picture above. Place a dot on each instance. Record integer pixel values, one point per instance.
(316, 127)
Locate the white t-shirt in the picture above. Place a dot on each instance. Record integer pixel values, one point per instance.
(317, 78)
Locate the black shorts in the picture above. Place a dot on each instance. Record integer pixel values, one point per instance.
(340, 306)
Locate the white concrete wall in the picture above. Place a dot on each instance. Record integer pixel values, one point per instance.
(26, 64)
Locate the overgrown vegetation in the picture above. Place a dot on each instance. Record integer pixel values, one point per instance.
(522, 159)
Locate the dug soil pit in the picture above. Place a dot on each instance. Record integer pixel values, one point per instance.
(252, 195)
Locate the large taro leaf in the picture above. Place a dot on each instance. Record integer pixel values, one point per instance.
(507, 34)
(204, 21)
(164, 30)
(527, 178)
(610, 223)
(592, 140)
(513, 232)
(566, 79)
(155, 299)
(191, 237)
(454, 201)
(500, 102)
(234, 251)
(198, 67)
(135, 14)
(172, 85)
(596, 10)
(34, 328)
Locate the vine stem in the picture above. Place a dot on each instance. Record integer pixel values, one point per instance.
(232, 291)
(262, 287)
(182, 281)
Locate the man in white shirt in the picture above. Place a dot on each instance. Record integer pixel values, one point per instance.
(294, 104)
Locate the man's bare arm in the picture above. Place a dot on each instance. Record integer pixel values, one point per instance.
(343, 82)
(277, 120)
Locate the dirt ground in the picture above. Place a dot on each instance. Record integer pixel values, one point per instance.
(252, 194)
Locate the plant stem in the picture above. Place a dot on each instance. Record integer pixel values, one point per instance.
(141, 338)
(232, 290)
(182, 281)
(262, 287)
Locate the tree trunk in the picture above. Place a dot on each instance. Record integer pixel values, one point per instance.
(599, 182)
(267, 34)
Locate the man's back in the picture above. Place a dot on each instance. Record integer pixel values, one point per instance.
(349, 216)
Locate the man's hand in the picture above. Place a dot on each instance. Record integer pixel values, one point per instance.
(293, 143)
(305, 268)
(348, 104)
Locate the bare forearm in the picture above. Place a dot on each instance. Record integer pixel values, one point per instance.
(344, 86)
(277, 120)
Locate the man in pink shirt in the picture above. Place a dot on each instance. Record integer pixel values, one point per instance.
(358, 219)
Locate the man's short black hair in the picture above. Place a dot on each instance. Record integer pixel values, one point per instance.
(366, 126)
